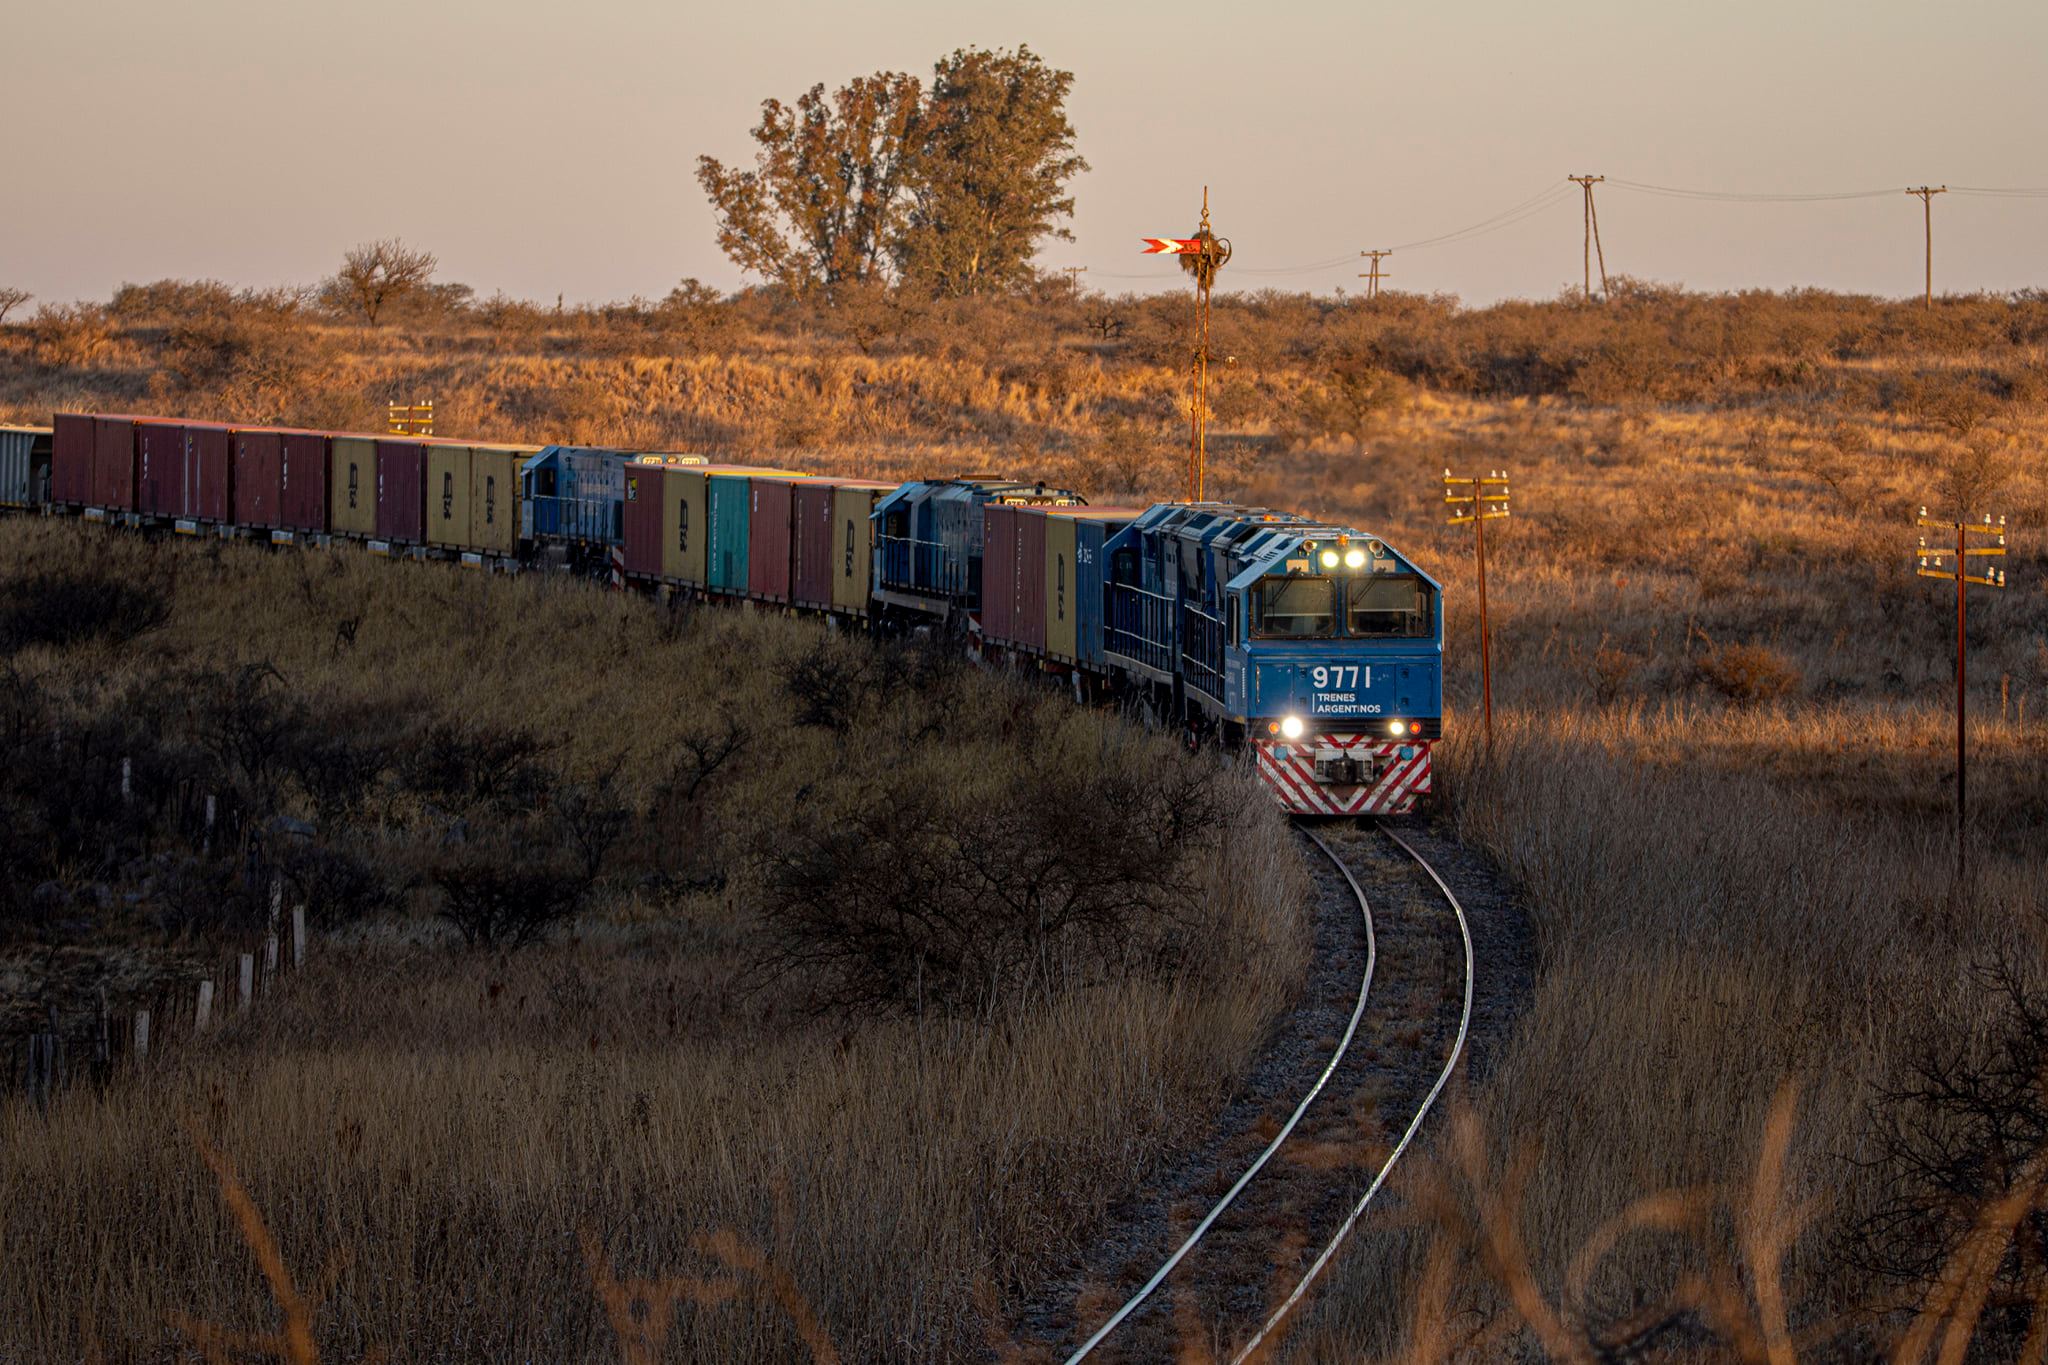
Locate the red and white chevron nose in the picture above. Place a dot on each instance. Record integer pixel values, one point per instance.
(1344, 774)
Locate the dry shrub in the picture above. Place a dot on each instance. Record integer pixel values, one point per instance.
(1749, 675)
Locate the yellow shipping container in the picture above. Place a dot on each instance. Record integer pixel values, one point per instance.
(352, 485)
(1060, 615)
(494, 496)
(448, 496)
(853, 539)
(682, 524)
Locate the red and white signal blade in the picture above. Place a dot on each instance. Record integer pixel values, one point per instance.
(1172, 246)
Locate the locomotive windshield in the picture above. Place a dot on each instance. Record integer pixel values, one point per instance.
(1295, 609)
(1388, 605)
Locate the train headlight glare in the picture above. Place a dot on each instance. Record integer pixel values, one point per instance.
(1329, 559)
(1291, 727)
(1397, 728)
(1354, 559)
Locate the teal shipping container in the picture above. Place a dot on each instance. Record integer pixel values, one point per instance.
(731, 505)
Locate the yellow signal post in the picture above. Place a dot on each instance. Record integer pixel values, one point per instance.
(1931, 566)
(1478, 499)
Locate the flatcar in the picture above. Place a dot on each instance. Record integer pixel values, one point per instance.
(1314, 652)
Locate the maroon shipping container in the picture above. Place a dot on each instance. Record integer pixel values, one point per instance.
(770, 545)
(1027, 620)
(259, 473)
(1013, 576)
(113, 463)
(810, 578)
(159, 468)
(646, 487)
(998, 570)
(302, 480)
(71, 459)
(209, 456)
(401, 491)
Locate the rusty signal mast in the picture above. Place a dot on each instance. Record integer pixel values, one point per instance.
(1201, 256)
(1478, 499)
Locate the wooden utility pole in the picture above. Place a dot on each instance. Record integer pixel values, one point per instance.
(1478, 500)
(1925, 194)
(1375, 275)
(1931, 567)
(1586, 183)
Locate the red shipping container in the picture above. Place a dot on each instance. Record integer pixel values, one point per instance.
(998, 570)
(770, 545)
(209, 456)
(113, 463)
(71, 458)
(159, 468)
(259, 472)
(302, 480)
(646, 487)
(810, 578)
(1027, 620)
(401, 491)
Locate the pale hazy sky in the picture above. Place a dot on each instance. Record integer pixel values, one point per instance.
(550, 147)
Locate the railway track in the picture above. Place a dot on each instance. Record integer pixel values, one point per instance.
(1349, 1059)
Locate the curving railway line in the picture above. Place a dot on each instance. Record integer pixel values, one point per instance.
(1349, 1060)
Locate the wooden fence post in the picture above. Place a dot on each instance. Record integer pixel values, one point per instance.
(141, 1036)
(205, 1006)
(298, 937)
(248, 981)
(270, 959)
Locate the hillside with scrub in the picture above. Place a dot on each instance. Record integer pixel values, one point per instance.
(1776, 1072)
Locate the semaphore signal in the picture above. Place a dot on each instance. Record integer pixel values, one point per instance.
(1201, 255)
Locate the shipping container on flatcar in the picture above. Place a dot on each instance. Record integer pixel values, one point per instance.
(401, 492)
(643, 487)
(833, 543)
(727, 522)
(159, 467)
(303, 471)
(113, 463)
(494, 513)
(25, 454)
(352, 485)
(1013, 577)
(258, 477)
(71, 443)
(203, 493)
(448, 468)
(771, 536)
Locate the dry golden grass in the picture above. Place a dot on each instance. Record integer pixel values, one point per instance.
(1723, 772)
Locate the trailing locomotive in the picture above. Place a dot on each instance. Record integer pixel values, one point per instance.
(1314, 650)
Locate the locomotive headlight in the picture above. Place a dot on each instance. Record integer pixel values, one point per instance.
(1354, 559)
(1291, 727)
(1397, 728)
(1329, 559)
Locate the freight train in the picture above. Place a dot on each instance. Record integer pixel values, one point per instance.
(1317, 650)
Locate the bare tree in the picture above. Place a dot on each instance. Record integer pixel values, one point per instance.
(11, 299)
(376, 274)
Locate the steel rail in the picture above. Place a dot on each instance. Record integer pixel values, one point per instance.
(1429, 1101)
(1132, 1304)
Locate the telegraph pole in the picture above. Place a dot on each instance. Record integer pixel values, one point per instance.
(1201, 256)
(1372, 280)
(1931, 567)
(1925, 194)
(1586, 183)
(1478, 500)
